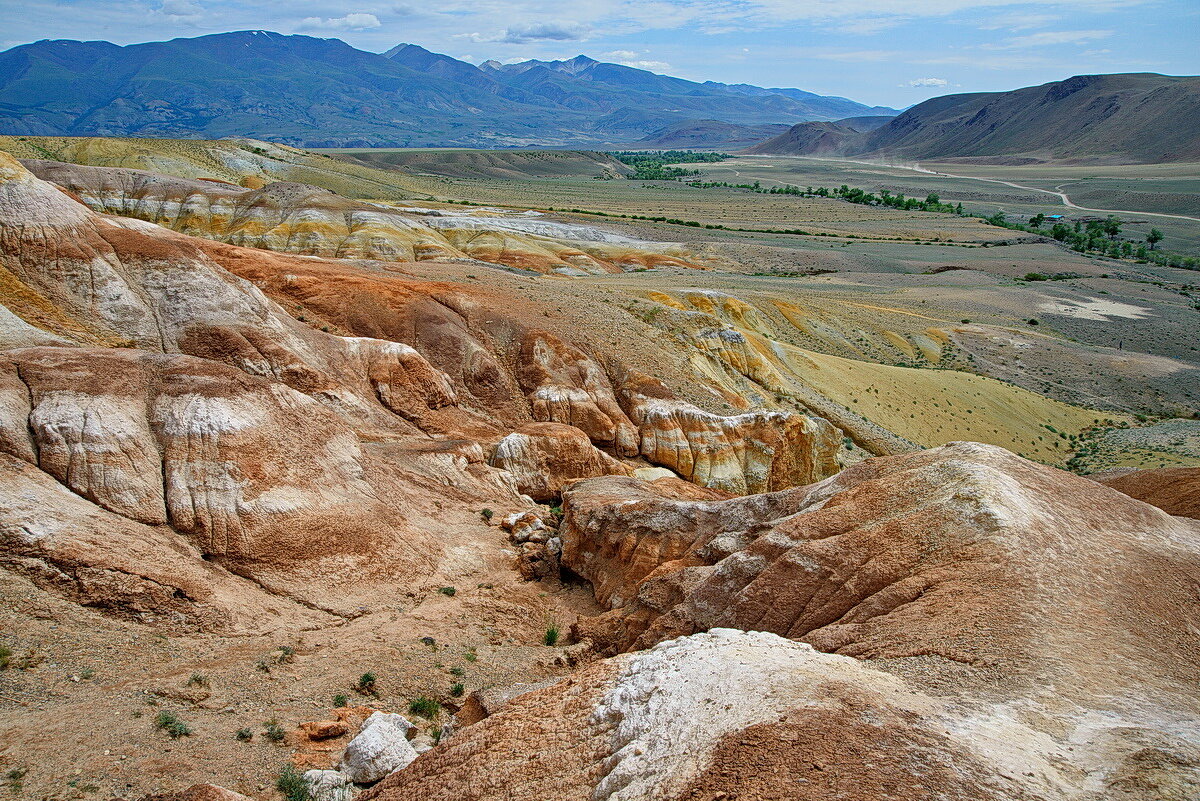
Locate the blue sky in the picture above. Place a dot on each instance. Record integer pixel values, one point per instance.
(888, 52)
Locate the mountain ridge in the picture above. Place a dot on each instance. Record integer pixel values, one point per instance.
(1117, 118)
(317, 92)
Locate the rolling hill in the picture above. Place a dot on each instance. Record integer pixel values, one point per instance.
(1124, 118)
(314, 92)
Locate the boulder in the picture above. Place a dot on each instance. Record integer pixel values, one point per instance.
(379, 748)
(329, 785)
(323, 729)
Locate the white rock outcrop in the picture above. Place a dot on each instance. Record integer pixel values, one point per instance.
(380, 748)
(328, 785)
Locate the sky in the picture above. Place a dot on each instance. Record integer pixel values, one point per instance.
(880, 52)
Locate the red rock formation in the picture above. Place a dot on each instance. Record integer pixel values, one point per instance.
(1175, 490)
(1019, 633)
(746, 453)
(543, 457)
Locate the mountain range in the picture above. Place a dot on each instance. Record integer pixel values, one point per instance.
(1124, 118)
(322, 92)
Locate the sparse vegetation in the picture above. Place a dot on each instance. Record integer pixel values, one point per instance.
(172, 724)
(341, 700)
(424, 706)
(457, 689)
(292, 784)
(487, 515)
(243, 735)
(447, 591)
(551, 636)
(273, 731)
(366, 684)
(197, 680)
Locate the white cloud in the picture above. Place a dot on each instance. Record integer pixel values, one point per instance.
(358, 21)
(1050, 38)
(184, 11)
(928, 82)
(627, 55)
(537, 32)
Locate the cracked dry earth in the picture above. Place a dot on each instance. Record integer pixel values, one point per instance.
(593, 540)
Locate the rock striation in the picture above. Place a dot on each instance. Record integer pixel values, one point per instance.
(912, 628)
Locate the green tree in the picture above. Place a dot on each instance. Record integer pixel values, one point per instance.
(1037, 220)
(1060, 231)
(1154, 237)
(1112, 227)
(932, 199)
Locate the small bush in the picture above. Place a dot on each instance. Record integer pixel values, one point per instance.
(424, 706)
(457, 689)
(197, 680)
(5, 656)
(470, 655)
(551, 637)
(1036, 277)
(447, 591)
(457, 671)
(273, 731)
(292, 784)
(243, 735)
(172, 724)
(366, 683)
(487, 514)
(341, 700)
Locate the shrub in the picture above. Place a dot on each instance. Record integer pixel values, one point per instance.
(341, 700)
(487, 514)
(273, 731)
(470, 655)
(424, 706)
(457, 671)
(366, 683)
(292, 784)
(551, 637)
(457, 689)
(197, 680)
(1035, 277)
(5, 656)
(172, 724)
(447, 591)
(243, 735)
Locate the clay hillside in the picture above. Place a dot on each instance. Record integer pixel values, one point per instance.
(320, 483)
(1103, 119)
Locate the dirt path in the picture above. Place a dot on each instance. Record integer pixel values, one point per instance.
(1057, 191)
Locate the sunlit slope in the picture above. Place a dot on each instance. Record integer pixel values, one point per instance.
(925, 405)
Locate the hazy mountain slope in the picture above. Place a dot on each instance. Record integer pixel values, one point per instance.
(709, 134)
(1126, 118)
(323, 92)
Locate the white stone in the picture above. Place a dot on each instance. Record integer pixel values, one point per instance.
(380, 748)
(328, 785)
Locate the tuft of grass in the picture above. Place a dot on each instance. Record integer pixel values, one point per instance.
(87, 673)
(457, 689)
(366, 683)
(292, 784)
(458, 671)
(424, 706)
(243, 735)
(5, 657)
(197, 680)
(447, 591)
(172, 724)
(552, 635)
(273, 731)
(487, 514)
(470, 655)
(341, 700)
